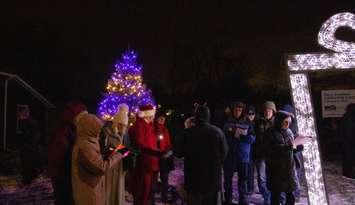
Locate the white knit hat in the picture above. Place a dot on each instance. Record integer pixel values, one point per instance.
(121, 115)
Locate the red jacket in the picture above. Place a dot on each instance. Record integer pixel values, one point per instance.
(165, 143)
(143, 136)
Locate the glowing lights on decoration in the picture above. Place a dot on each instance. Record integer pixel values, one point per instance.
(344, 52)
(326, 37)
(343, 57)
(125, 86)
(321, 61)
(306, 126)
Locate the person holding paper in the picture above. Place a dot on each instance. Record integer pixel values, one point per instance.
(280, 163)
(240, 135)
(112, 134)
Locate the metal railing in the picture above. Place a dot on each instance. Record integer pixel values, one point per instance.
(29, 88)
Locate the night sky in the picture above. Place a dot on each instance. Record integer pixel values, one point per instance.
(210, 50)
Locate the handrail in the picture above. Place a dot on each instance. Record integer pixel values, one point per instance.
(29, 88)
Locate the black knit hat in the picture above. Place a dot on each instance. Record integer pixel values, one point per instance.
(250, 109)
(160, 113)
(203, 113)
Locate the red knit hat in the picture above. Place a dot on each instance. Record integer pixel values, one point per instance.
(146, 111)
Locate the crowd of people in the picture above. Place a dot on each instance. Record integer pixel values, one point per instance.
(95, 162)
(245, 143)
(90, 160)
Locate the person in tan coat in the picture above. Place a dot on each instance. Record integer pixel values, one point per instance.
(88, 166)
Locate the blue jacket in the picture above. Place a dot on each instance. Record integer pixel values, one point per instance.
(239, 145)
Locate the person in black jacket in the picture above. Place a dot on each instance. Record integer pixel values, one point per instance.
(297, 154)
(251, 118)
(204, 148)
(29, 134)
(346, 132)
(262, 124)
(280, 163)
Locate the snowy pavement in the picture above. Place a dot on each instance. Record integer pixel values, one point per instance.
(341, 191)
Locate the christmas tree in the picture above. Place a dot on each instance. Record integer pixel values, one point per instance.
(125, 86)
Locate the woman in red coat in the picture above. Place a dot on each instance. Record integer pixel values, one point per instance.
(147, 166)
(166, 163)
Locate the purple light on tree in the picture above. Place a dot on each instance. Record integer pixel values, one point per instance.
(125, 86)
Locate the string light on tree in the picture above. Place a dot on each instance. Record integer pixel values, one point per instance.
(125, 86)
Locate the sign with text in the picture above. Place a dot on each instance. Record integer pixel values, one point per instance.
(334, 102)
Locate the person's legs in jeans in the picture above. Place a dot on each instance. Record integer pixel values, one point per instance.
(228, 182)
(243, 169)
(250, 189)
(290, 198)
(297, 192)
(261, 172)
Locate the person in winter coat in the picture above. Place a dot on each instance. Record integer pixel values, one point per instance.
(204, 148)
(280, 164)
(166, 163)
(88, 166)
(143, 137)
(261, 125)
(240, 136)
(28, 133)
(346, 132)
(112, 134)
(297, 154)
(60, 153)
(251, 118)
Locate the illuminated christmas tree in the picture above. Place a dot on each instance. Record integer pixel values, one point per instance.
(125, 86)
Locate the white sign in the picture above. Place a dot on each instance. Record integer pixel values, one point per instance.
(334, 102)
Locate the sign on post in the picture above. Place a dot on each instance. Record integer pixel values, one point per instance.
(334, 102)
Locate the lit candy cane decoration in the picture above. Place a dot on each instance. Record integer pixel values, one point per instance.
(342, 58)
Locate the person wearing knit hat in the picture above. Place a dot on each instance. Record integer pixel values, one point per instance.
(289, 110)
(112, 134)
(204, 148)
(143, 137)
(251, 114)
(270, 105)
(279, 149)
(261, 125)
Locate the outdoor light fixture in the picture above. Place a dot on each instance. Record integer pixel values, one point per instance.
(342, 57)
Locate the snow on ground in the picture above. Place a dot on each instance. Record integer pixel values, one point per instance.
(341, 191)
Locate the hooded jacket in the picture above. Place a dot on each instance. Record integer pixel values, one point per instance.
(88, 166)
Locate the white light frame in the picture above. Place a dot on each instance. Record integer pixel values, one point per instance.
(342, 57)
